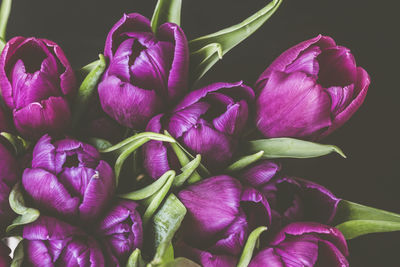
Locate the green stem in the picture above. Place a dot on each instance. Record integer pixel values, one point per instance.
(5, 10)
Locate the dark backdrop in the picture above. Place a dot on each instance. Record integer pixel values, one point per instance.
(370, 139)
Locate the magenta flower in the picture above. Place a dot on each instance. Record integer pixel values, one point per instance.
(8, 177)
(220, 215)
(304, 244)
(121, 229)
(207, 121)
(37, 82)
(51, 242)
(147, 71)
(310, 90)
(68, 178)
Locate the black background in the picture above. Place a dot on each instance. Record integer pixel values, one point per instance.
(370, 139)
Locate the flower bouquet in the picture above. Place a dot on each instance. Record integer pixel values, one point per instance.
(130, 161)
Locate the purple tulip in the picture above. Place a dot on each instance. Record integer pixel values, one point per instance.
(310, 90)
(121, 229)
(291, 199)
(68, 178)
(5, 251)
(37, 81)
(8, 177)
(51, 242)
(304, 244)
(220, 215)
(147, 71)
(207, 121)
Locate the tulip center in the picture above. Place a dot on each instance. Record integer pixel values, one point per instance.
(71, 161)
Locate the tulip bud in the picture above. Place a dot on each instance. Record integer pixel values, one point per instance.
(68, 178)
(207, 121)
(51, 242)
(36, 81)
(5, 251)
(220, 215)
(304, 244)
(310, 90)
(8, 177)
(121, 229)
(291, 199)
(147, 71)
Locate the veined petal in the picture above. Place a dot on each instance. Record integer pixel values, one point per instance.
(260, 173)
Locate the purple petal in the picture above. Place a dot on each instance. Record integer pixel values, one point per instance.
(47, 192)
(233, 120)
(49, 228)
(292, 105)
(268, 257)
(133, 107)
(37, 253)
(44, 155)
(341, 97)
(256, 207)
(300, 249)
(360, 92)
(178, 74)
(330, 255)
(215, 148)
(98, 192)
(128, 23)
(290, 55)
(260, 173)
(49, 116)
(155, 154)
(119, 66)
(212, 205)
(337, 67)
(86, 155)
(306, 62)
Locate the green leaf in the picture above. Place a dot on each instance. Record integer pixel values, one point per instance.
(85, 70)
(19, 144)
(135, 259)
(18, 257)
(87, 90)
(155, 200)
(165, 224)
(243, 162)
(187, 171)
(354, 220)
(166, 11)
(147, 191)
(248, 249)
(17, 204)
(5, 10)
(180, 262)
(291, 148)
(223, 41)
(99, 144)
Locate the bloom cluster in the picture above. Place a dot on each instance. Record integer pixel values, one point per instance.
(92, 159)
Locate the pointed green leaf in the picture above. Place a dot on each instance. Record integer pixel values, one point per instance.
(203, 59)
(226, 39)
(5, 10)
(87, 90)
(155, 200)
(17, 204)
(147, 191)
(248, 249)
(244, 162)
(85, 70)
(187, 172)
(165, 224)
(292, 148)
(354, 220)
(18, 257)
(135, 259)
(166, 11)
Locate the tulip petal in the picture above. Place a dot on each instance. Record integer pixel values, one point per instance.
(292, 105)
(37, 252)
(49, 116)
(268, 257)
(212, 205)
(47, 192)
(178, 74)
(300, 249)
(256, 207)
(233, 120)
(119, 66)
(133, 107)
(155, 154)
(260, 173)
(215, 147)
(44, 155)
(306, 62)
(128, 23)
(290, 55)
